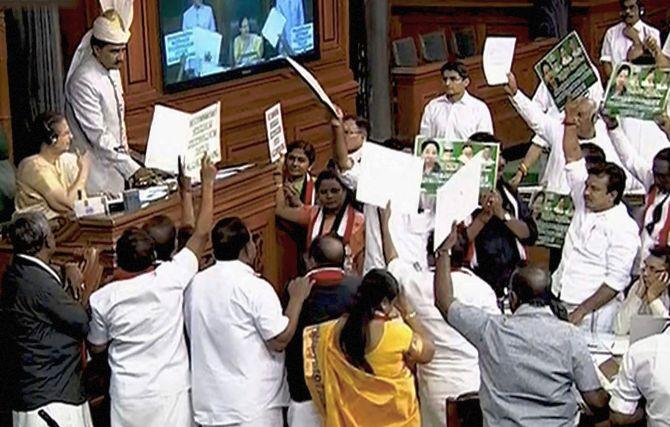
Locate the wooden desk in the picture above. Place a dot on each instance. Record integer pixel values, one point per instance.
(415, 86)
(249, 195)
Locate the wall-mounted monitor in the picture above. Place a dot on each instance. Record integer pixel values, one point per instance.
(209, 41)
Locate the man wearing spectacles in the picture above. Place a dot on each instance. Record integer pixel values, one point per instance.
(455, 115)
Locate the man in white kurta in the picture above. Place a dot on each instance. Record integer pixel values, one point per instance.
(95, 107)
(199, 15)
(456, 114)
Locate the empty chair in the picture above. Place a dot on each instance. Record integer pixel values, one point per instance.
(404, 53)
(434, 46)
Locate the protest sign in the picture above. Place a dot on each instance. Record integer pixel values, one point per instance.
(274, 126)
(637, 91)
(273, 27)
(552, 213)
(442, 159)
(497, 59)
(566, 70)
(196, 43)
(176, 133)
(389, 175)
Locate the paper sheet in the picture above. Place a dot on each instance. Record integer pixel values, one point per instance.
(457, 198)
(498, 57)
(273, 27)
(176, 133)
(207, 45)
(178, 45)
(275, 129)
(313, 83)
(389, 175)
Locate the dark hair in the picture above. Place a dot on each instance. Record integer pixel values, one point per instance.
(394, 144)
(483, 137)
(536, 294)
(325, 256)
(96, 42)
(29, 233)
(663, 154)
(229, 237)
(616, 178)
(330, 174)
(304, 146)
(661, 252)
(361, 122)
(456, 66)
(377, 285)
(639, 4)
(428, 142)
(239, 23)
(624, 67)
(592, 153)
(545, 63)
(135, 250)
(44, 129)
(162, 230)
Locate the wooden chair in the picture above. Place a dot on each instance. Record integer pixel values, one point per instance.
(434, 46)
(404, 53)
(464, 411)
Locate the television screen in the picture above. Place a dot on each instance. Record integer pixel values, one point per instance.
(208, 41)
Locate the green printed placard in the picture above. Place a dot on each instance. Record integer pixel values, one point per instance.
(552, 213)
(442, 159)
(566, 70)
(639, 91)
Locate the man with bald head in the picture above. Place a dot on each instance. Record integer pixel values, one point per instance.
(542, 357)
(332, 295)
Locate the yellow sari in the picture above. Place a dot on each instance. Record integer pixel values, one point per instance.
(349, 397)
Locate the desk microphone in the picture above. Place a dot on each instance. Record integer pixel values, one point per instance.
(47, 419)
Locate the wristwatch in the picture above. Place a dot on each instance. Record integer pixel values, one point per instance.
(507, 217)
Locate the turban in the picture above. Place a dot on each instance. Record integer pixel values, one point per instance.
(109, 28)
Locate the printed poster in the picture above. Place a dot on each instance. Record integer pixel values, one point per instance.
(566, 70)
(639, 91)
(442, 159)
(552, 213)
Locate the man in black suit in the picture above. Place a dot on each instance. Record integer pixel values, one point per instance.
(44, 327)
(332, 295)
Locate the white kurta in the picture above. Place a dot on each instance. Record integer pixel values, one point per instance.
(616, 45)
(199, 17)
(95, 111)
(455, 121)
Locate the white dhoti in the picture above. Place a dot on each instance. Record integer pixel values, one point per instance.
(601, 320)
(64, 414)
(173, 410)
(303, 414)
(268, 418)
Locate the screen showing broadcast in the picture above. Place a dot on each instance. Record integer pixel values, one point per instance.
(208, 41)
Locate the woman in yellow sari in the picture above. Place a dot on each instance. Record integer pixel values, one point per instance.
(356, 367)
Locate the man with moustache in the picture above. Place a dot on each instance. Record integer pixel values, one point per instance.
(95, 108)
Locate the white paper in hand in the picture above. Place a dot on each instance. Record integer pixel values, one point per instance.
(275, 130)
(497, 58)
(273, 27)
(389, 175)
(313, 84)
(457, 198)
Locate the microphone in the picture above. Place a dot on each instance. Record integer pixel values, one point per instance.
(47, 419)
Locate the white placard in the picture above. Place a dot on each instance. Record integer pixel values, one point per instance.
(274, 126)
(497, 59)
(90, 206)
(313, 83)
(389, 175)
(176, 133)
(178, 45)
(302, 38)
(273, 27)
(457, 198)
(207, 45)
(196, 43)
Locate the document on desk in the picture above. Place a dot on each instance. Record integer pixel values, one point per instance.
(457, 198)
(273, 27)
(389, 175)
(498, 57)
(313, 84)
(176, 133)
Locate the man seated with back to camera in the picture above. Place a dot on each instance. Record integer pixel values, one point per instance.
(332, 295)
(529, 361)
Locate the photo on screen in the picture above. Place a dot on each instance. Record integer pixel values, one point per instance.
(208, 41)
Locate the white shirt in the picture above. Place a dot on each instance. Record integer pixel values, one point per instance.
(455, 121)
(550, 131)
(142, 319)
(409, 231)
(199, 17)
(645, 374)
(616, 45)
(230, 314)
(642, 170)
(454, 369)
(95, 111)
(600, 247)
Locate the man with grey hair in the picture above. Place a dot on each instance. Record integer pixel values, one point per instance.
(44, 326)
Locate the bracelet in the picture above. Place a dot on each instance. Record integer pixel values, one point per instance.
(523, 169)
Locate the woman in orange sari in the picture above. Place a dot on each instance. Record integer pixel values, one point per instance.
(356, 367)
(333, 213)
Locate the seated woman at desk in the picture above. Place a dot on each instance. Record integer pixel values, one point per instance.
(649, 294)
(50, 180)
(247, 47)
(333, 213)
